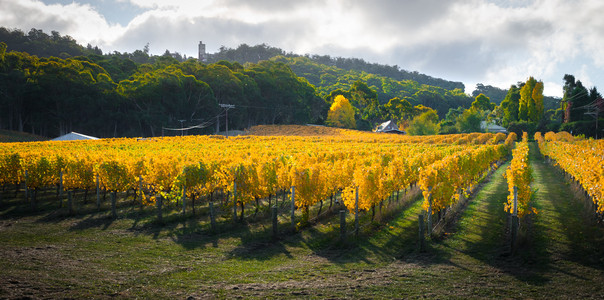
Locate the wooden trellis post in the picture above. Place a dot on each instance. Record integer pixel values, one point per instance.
(293, 208)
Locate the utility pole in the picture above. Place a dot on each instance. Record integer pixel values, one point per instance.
(227, 106)
(181, 127)
(594, 109)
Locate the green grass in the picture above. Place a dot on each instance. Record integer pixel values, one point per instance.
(90, 255)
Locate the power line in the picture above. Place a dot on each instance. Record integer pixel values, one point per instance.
(198, 126)
(202, 125)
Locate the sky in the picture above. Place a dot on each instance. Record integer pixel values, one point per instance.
(493, 42)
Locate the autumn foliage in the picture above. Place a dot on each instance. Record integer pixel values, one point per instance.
(341, 113)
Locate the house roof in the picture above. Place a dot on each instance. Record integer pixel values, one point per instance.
(74, 136)
(388, 125)
(489, 127)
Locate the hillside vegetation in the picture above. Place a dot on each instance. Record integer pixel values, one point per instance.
(50, 85)
(64, 87)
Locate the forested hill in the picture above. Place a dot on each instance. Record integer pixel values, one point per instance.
(50, 85)
(53, 96)
(38, 43)
(330, 81)
(497, 95)
(245, 53)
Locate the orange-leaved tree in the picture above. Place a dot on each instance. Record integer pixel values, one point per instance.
(341, 113)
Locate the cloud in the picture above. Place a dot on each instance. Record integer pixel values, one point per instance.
(164, 31)
(397, 15)
(81, 22)
(497, 42)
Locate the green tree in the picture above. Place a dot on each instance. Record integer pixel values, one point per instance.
(341, 114)
(575, 96)
(510, 105)
(526, 99)
(566, 103)
(536, 113)
(424, 124)
(366, 100)
(2, 51)
(495, 94)
(164, 96)
(469, 121)
(482, 102)
(398, 109)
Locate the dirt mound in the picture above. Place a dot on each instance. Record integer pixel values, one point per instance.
(296, 130)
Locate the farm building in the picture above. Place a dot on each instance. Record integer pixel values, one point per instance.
(490, 127)
(389, 127)
(74, 136)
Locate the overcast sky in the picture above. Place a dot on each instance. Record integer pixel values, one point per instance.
(496, 42)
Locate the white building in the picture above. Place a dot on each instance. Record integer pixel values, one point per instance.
(490, 127)
(389, 127)
(74, 136)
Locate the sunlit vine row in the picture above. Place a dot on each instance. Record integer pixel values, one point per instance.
(581, 158)
(256, 167)
(519, 175)
(445, 180)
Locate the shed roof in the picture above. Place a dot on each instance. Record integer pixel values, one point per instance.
(489, 127)
(387, 126)
(74, 136)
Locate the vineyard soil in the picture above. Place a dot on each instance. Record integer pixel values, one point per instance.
(91, 255)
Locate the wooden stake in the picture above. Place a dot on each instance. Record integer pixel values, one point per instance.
(98, 193)
(275, 211)
(515, 209)
(26, 188)
(113, 204)
(430, 210)
(234, 201)
(293, 208)
(212, 217)
(184, 200)
(342, 225)
(356, 212)
(159, 204)
(70, 201)
(422, 236)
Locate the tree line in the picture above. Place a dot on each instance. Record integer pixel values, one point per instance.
(245, 53)
(50, 85)
(53, 86)
(50, 96)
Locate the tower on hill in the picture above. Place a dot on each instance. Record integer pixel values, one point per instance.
(202, 52)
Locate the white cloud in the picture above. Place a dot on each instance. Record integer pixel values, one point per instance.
(79, 21)
(497, 42)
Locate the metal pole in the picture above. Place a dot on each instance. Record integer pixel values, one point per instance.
(181, 127)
